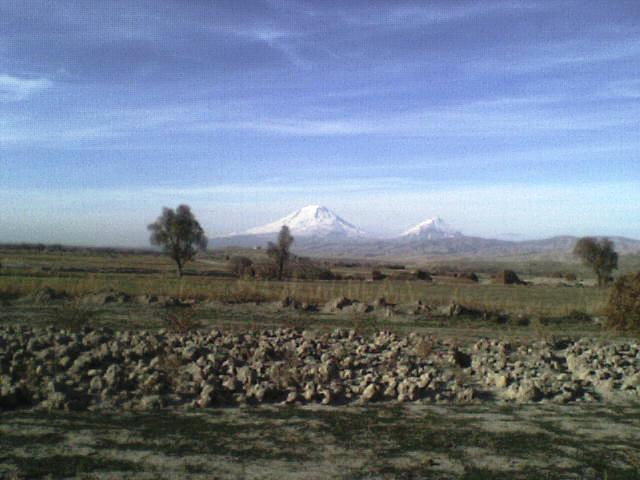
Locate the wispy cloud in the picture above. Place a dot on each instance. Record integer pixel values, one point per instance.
(505, 117)
(411, 15)
(629, 89)
(13, 89)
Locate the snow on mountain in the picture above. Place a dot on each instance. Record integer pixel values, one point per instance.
(431, 229)
(311, 221)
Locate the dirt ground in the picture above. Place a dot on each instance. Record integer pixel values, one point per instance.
(280, 442)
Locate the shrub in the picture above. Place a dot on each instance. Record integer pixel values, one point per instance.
(242, 266)
(265, 270)
(395, 267)
(471, 276)
(424, 347)
(181, 319)
(579, 316)
(72, 317)
(377, 275)
(423, 275)
(307, 269)
(508, 277)
(623, 309)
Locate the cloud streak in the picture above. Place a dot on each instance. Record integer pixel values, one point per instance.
(15, 89)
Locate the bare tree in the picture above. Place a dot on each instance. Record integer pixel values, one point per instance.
(280, 252)
(179, 234)
(598, 255)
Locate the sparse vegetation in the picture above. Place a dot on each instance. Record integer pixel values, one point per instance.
(623, 311)
(181, 319)
(72, 316)
(242, 266)
(508, 277)
(377, 275)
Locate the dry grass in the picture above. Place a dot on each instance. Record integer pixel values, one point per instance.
(208, 282)
(527, 300)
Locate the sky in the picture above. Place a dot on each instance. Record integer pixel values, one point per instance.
(509, 119)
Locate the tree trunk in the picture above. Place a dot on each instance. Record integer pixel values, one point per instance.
(179, 269)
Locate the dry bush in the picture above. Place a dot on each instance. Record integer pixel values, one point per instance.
(72, 317)
(508, 277)
(377, 275)
(307, 269)
(579, 316)
(8, 294)
(243, 293)
(181, 319)
(424, 347)
(242, 266)
(422, 275)
(541, 331)
(623, 309)
(265, 270)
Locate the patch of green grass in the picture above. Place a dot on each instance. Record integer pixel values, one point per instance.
(11, 440)
(69, 465)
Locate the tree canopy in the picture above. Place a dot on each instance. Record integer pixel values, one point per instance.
(179, 234)
(598, 255)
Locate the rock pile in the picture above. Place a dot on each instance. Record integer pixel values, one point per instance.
(100, 368)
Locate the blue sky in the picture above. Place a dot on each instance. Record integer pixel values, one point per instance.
(509, 119)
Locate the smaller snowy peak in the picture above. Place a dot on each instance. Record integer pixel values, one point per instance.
(311, 221)
(431, 229)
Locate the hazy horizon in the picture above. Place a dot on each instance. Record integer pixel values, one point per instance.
(508, 119)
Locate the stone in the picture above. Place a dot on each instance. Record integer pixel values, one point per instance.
(309, 392)
(151, 402)
(291, 397)
(529, 393)
(501, 381)
(369, 393)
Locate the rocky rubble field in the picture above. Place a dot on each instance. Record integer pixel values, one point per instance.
(50, 368)
(340, 305)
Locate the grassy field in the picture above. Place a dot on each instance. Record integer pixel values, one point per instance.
(209, 279)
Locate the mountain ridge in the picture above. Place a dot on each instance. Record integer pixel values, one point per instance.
(318, 231)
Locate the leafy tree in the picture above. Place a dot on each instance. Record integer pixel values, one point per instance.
(179, 234)
(280, 252)
(598, 255)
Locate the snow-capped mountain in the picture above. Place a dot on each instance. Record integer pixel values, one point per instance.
(311, 221)
(320, 232)
(431, 229)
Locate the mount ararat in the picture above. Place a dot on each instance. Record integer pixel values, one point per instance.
(318, 231)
